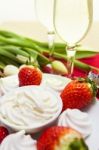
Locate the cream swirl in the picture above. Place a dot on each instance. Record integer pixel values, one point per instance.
(7, 84)
(30, 106)
(77, 120)
(18, 141)
(55, 82)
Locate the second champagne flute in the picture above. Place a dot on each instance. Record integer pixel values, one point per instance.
(72, 21)
(44, 13)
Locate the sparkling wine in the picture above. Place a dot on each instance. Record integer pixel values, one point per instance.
(74, 20)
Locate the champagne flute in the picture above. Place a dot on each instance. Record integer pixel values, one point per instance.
(72, 21)
(44, 13)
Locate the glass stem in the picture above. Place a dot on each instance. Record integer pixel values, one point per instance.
(70, 60)
(51, 38)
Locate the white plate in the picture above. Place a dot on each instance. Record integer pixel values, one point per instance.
(93, 139)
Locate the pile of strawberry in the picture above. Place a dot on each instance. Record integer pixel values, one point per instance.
(77, 94)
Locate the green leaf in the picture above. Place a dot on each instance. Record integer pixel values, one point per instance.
(85, 54)
(43, 60)
(2, 65)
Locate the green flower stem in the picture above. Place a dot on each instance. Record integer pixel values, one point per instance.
(84, 66)
(12, 44)
(15, 50)
(8, 34)
(36, 55)
(2, 65)
(77, 63)
(21, 43)
(9, 55)
(7, 61)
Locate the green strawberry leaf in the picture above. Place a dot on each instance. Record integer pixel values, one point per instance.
(78, 145)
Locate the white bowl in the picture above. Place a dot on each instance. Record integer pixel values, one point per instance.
(28, 98)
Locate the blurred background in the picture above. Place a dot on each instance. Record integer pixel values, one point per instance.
(19, 16)
(24, 10)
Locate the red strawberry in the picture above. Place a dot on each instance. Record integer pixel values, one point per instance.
(61, 138)
(3, 133)
(78, 93)
(29, 75)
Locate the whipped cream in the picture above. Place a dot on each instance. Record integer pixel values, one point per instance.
(18, 141)
(77, 120)
(55, 82)
(28, 107)
(7, 84)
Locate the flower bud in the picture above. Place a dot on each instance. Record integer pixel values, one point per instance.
(10, 70)
(59, 67)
